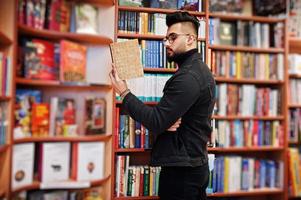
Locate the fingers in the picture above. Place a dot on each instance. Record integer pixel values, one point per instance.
(175, 126)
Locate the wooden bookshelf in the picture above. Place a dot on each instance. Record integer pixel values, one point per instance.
(248, 81)
(156, 10)
(132, 150)
(2, 193)
(234, 117)
(295, 44)
(294, 75)
(56, 35)
(37, 185)
(4, 40)
(294, 105)
(137, 198)
(151, 103)
(255, 192)
(159, 70)
(5, 98)
(58, 84)
(140, 36)
(3, 148)
(87, 138)
(244, 149)
(246, 49)
(236, 17)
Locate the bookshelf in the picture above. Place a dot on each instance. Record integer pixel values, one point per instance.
(11, 33)
(276, 153)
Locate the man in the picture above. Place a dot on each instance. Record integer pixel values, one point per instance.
(189, 96)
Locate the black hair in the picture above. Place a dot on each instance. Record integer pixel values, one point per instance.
(182, 16)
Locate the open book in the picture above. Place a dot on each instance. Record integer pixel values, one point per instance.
(126, 57)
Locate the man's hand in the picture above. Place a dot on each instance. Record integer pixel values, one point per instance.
(119, 85)
(175, 126)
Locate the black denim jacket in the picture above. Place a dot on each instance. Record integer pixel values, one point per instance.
(188, 94)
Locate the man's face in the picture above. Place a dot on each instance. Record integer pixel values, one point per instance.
(176, 41)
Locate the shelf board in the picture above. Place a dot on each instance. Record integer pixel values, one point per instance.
(246, 48)
(5, 98)
(243, 149)
(294, 197)
(137, 198)
(100, 181)
(57, 84)
(34, 186)
(56, 35)
(295, 75)
(37, 184)
(150, 103)
(295, 44)
(64, 139)
(95, 2)
(294, 143)
(2, 193)
(235, 17)
(140, 36)
(248, 81)
(155, 10)
(294, 105)
(255, 192)
(131, 150)
(4, 40)
(3, 148)
(159, 70)
(239, 117)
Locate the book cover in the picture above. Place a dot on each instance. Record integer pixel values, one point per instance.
(126, 57)
(38, 60)
(86, 19)
(55, 161)
(95, 122)
(90, 161)
(22, 165)
(227, 33)
(40, 119)
(73, 62)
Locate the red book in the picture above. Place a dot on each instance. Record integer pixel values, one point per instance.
(73, 62)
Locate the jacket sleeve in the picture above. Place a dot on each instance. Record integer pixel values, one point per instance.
(179, 95)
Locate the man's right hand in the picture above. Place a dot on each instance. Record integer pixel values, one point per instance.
(175, 126)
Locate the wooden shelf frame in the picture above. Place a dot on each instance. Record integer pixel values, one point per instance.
(255, 192)
(234, 117)
(132, 150)
(294, 106)
(58, 84)
(245, 48)
(3, 148)
(248, 81)
(158, 70)
(87, 138)
(244, 149)
(294, 75)
(36, 185)
(236, 17)
(4, 40)
(137, 198)
(156, 10)
(5, 98)
(56, 35)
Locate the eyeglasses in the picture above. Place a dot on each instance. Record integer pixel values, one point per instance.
(172, 37)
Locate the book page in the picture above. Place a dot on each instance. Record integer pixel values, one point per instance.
(126, 57)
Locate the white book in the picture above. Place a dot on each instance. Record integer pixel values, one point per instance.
(55, 161)
(23, 161)
(90, 161)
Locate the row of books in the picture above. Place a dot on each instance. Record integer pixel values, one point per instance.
(295, 85)
(236, 173)
(132, 134)
(148, 88)
(294, 125)
(57, 117)
(3, 122)
(294, 177)
(5, 75)
(247, 100)
(52, 161)
(248, 133)
(135, 181)
(91, 193)
(58, 15)
(148, 23)
(254, 34)
(247, 65)
(192, 5)
(294, 63)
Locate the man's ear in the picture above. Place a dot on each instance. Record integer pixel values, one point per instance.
(191, 39)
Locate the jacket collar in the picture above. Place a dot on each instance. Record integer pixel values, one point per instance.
(186, 56)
